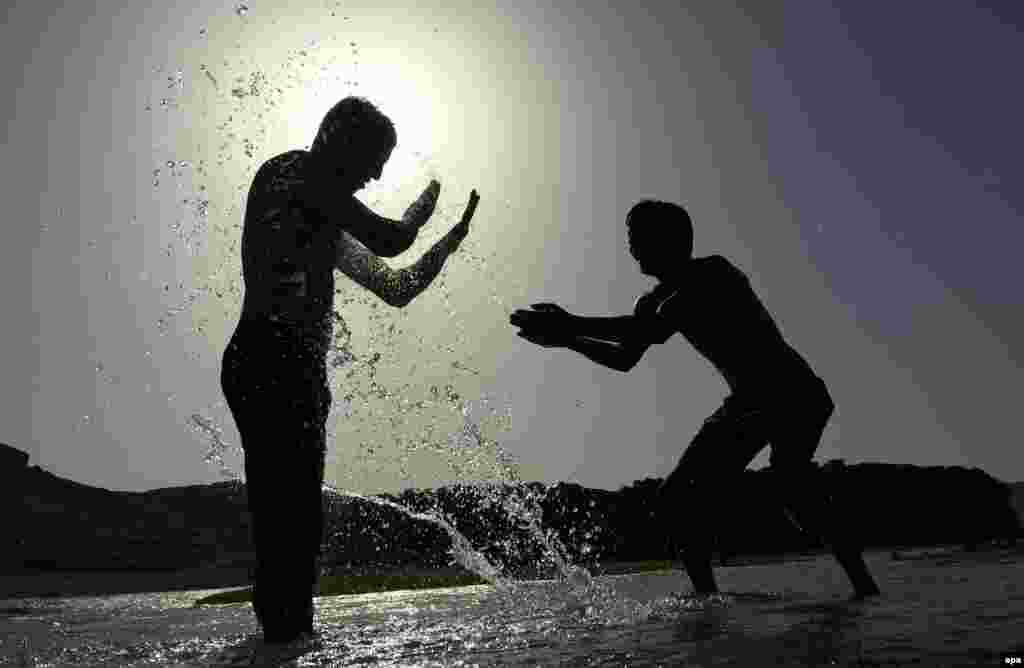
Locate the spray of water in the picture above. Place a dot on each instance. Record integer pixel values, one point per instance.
(462, 550)
(414, 426)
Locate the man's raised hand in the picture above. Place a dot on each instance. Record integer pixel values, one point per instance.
(462, 228)
(419, 212)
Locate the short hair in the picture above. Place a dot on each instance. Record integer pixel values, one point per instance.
(655, 225)
(354, 123)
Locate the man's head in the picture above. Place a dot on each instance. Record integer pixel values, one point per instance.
(660, 236)
(354, 141)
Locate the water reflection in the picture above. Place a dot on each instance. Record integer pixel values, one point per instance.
(768, 615)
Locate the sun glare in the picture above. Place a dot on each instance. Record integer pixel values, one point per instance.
(400, 89)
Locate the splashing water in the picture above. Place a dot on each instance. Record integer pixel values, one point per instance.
(462, 549)
(249, 93)
(218, 446)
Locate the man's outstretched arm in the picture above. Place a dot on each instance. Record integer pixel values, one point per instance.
(627, 330)
(621, 357)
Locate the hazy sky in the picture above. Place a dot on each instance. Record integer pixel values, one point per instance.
(858, 160)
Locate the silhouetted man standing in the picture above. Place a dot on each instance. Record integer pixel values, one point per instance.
(775, 396)
(302, 221)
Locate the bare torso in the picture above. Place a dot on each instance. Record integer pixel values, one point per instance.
(718, 312)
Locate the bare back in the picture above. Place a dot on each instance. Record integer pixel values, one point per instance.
(288, 254)
(717, 311)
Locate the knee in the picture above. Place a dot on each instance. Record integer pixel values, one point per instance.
(828, 405)
(794, 475)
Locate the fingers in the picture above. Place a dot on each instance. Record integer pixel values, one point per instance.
(546, 316)
(528, 318)
(532, 337)
(520, 318)
(470, 208)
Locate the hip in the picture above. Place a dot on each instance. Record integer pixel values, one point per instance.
(258, 353)
(790, 394)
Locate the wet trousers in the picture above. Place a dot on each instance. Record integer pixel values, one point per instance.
(278, 395)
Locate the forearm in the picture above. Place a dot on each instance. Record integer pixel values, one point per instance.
(606, 354)
(384, 236)
(614, 328)
(409, 282)
(419, 212)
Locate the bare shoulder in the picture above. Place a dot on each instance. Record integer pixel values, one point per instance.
(715, 260)
(719, 268)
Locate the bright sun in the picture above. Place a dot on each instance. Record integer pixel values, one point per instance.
(401, 90)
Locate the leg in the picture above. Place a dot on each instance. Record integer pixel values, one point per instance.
(281, 418)
(724, 446)
(300, 517)
(795, 437)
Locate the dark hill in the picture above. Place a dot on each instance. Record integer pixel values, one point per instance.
(59, 524)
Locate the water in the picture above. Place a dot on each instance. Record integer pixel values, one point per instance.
(961, 610)
(462, 549)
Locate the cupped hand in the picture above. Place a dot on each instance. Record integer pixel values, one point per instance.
(544, 339)
(544, 316)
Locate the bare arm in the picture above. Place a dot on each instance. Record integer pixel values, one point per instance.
(620, 328)
(398, 287)
(620, 357)
(383, 236)
(419, 212)
(628, 330)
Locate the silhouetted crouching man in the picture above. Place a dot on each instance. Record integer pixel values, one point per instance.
(302, 221)
(775, 396)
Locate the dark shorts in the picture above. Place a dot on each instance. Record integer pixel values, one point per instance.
(791, 420)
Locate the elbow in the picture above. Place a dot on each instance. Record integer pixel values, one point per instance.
(626, 364)
(398, 244)
(395, 301)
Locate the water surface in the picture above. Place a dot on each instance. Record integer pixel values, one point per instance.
(945, 611)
